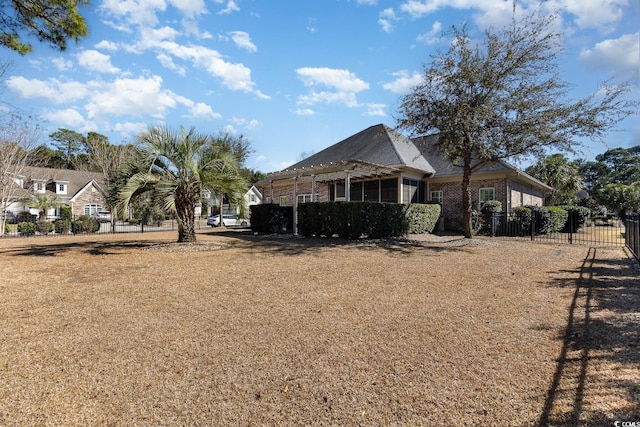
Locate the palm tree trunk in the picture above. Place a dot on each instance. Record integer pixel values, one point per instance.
(185, 213)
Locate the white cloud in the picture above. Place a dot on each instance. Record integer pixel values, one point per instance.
(375, 110)
(137, 12)
(189, 8)
(96, 61)
(344, 83)
(62, 64)
(342, 80)
(431, 36)
(386, 20)
(404, 82)
(587, 13)
(167, 62)
(106, 45)
(138, 97)
(243, 41)
(231, 7)
(130, 128)
(620, 56)
(201, 110)
(234, 76)
(68, 118)
(52, 90)
(304, 112)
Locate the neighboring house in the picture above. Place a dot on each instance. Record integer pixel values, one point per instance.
(381, 165)
(251, 197)
(82, 191)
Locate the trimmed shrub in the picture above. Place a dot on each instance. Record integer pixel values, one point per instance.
(66, 212)
(62, 226)
(271, 218)
(353, 220)
(422, 218)
(84, 225)
(491, 206)
(44, 227)
(557, 219)
(27, 228)
(576, 218)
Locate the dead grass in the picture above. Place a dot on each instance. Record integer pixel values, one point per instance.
(243, 330)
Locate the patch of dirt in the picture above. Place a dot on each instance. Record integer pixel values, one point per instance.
(238, 329)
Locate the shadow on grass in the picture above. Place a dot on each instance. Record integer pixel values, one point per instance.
(589, 337)
(289, 244)
(285, 244)
(52, 248)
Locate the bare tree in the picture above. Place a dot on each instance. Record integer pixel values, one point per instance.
(18, 135)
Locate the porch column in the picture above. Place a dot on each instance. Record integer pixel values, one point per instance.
(271, 190)
(313, 188)
(347, 186)
(295, 205)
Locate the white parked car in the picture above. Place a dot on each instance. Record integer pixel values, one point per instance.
(228, 220)
(102, 216)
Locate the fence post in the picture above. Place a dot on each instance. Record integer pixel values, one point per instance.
(533, 225)
(571, 225)
(142, 225)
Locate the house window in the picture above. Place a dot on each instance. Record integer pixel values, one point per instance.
(62, 188)
(436, 196)
(91, 209)
(283, 200)
(412, 191)
(389, 190)
(304, 198)
(40, 187)
(355, 192)
(252, 198)
(485, 195)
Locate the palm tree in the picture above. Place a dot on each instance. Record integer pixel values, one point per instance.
(562, 175)
(177, 167)
(44, 202)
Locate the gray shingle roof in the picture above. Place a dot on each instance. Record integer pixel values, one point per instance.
(377, 145)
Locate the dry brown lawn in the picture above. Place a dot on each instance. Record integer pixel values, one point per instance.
(242, 330)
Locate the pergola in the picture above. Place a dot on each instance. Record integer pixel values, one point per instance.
(344, 170)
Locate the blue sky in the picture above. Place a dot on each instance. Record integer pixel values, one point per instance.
(292, 76)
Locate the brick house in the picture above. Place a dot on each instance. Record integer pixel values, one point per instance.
(83, 191)
(382, 165)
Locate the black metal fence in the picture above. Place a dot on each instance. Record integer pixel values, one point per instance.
(609, 232)
(52, 226)
(632, 235)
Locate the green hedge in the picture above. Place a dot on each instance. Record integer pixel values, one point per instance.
(353, 220)
(44, 227)
(62, 226)
(84, 225)
(422, 218)
(271, 218)
(557, 219)
(27, 228)
(577, 218)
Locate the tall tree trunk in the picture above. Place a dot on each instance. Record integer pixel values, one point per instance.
(466, 198)
(185, 212)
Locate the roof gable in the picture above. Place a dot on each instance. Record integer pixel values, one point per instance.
(376, 145)
(444, 167)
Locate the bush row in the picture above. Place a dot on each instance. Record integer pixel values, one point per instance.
(550, 219)
(349, 220)
(82, 225)
(271, 218)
